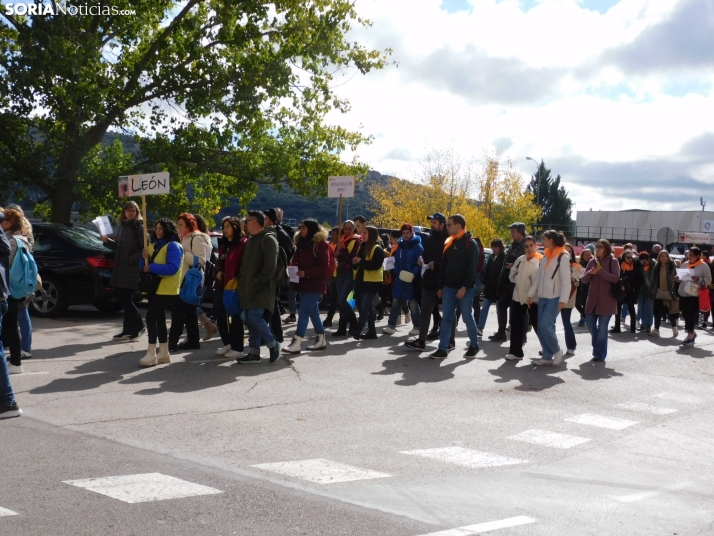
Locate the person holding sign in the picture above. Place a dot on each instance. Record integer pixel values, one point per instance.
(128, 246)
(345, 251)
(312, 261)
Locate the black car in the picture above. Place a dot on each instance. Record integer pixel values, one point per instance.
(75, 268)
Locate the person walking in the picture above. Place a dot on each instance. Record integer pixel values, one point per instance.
(208, 325)
(128, 246)
(14, 228)
(406, 270)
(8, 405)
(312, 260)
(230, 258)
(505, 287)
(194, 244)
(457, 279)
(332, 282)
(663, 292)
(369, 276)
(565, 314)
(165, 256)
(644, 297)
(23, 311)
(489, 280)
(522, 275)
(257, 287)
(701, 277)
(581, 297)
(433, 254)
(285, 242)
(600, 273)
(346, 250)
(631, 279)
(552, 287)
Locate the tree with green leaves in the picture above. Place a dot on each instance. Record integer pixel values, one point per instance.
(551, 196)
(225, 95)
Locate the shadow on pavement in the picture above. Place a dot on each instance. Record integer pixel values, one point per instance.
(592, 370)
(68, 350)
(415, 370)
(531, 377)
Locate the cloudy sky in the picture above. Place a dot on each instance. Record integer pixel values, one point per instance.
(617, 96)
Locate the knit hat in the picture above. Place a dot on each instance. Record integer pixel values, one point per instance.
(407, 227)
(591, 247)
(270, 213)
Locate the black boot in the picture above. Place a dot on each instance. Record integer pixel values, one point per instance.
(341, 329)
(328, 321)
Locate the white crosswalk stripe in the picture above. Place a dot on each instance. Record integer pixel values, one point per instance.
(144, 487)
(484, 527)
(465, 457)
(684, 399)
(646, 408)
(549, 439)
(321, 471)
(5, 512)
(599, 421)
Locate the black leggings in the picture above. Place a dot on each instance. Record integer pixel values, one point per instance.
(521, 316)
(156, 317)
(630, 302)
(659, 313)
(183, 314)
(690, 312)
(133, 322)
(11, 333)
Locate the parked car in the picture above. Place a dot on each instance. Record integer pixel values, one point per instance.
(75, 268)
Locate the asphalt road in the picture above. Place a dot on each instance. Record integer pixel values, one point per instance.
(364, 438)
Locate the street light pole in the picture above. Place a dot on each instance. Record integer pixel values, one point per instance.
(537, 182)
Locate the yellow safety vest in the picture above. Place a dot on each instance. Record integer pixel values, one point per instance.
(170, 284)
(374, 276)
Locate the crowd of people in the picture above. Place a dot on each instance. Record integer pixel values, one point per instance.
(428, 281)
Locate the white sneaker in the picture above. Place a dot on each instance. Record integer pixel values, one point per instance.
(224, 350)
(14, 369)
(25, 355)
(570, 352)
(415, 331)
(542, 362)
(389, 330)
(675, 331)
(558, 357)
(512, 357)
(233, 354)
(654, 333)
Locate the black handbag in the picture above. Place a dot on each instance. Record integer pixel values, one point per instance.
(148, 282)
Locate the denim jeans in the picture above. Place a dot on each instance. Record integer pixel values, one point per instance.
(7, 398)
(485, 306)
(547, 314)
(258, 330)
(449, 301)
(597, 326)
(644, 311)
(309, 310)
(570, 342)
(344, 284)
(366, 311)
(23, 318)
(413, 308)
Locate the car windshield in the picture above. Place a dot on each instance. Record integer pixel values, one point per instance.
(82, 237)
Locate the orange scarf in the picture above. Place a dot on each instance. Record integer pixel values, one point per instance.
(627, 267)
(537, 255)
(694, 265)
(553, 254)
(333, 245)
(345, 240)
(647, 267)
(394, 250)
(450, 241)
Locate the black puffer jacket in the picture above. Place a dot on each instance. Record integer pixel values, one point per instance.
(490, 276)
(128, 246)
(514, 251)
(433, 252)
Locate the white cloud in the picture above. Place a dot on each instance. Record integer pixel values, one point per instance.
(559, 82)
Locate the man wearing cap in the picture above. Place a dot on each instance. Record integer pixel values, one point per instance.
(505, 287)
(432, 257)
(8, 406)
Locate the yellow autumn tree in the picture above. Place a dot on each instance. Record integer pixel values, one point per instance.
(490, 196)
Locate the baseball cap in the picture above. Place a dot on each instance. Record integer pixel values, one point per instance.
(437, 216)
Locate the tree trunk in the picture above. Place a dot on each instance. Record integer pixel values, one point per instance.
(62, 200)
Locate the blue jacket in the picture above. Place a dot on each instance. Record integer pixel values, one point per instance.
(173, 259)
(407, 256)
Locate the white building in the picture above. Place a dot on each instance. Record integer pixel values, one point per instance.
(645, 226)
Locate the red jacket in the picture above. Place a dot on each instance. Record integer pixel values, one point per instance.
(230, 257)
(313, 259)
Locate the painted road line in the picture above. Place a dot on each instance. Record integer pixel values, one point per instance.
(550, 439)
(144, 487)
(321, 471)
(611, 423)
(649, 494)
(684, 399)
(485, 527)
(637, 406)
(465, 457)
(29, 374)
(5, 512)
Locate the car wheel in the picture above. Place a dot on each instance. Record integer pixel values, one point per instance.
(51, 300)
(108, 306)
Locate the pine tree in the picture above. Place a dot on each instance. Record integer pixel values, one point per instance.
(553, 199)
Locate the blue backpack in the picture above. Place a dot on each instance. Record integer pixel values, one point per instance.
(23, 272)
(192, 287)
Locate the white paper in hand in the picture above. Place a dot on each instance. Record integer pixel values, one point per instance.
(684, 274)
(103, 225)
(292, 272)
(388, 263)
(424, 268)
